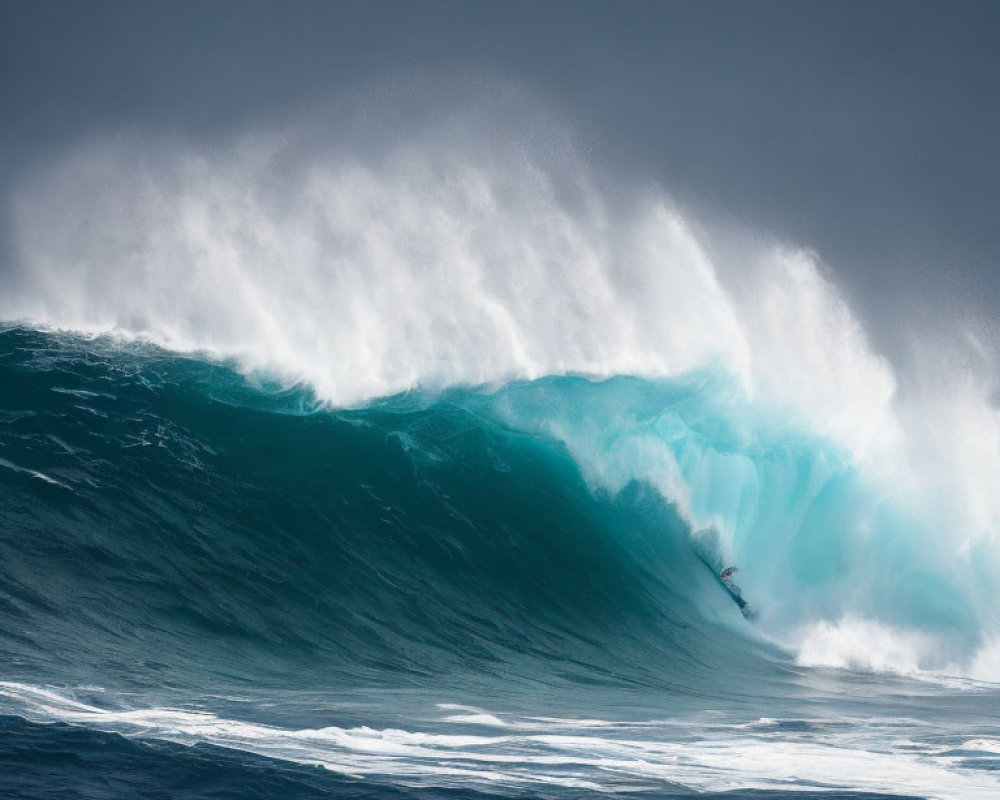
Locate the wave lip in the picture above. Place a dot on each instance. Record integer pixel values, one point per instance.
(372, 270)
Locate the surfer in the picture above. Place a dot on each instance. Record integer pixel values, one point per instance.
(708, 550)
(735, 592)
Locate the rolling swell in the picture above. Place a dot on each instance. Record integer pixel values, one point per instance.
(167, 524)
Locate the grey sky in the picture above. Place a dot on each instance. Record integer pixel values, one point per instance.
(867, 130)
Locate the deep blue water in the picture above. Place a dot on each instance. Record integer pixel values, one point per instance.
(214, 586)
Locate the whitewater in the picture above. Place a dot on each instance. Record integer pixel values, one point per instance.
(403, 469)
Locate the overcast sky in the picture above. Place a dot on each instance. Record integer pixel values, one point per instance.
(869, 131)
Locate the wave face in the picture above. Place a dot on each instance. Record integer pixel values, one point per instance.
(238, 536)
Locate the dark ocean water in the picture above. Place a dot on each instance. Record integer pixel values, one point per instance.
(214, 586)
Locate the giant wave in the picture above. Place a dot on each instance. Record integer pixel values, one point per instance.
(293, 417)
(464, 258)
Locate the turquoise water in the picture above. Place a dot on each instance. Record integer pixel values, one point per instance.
(492, 589)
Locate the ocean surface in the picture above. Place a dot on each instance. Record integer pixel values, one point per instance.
(213, 585)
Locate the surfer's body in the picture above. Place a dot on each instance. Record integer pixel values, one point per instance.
(726, 579)
(709, 551)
